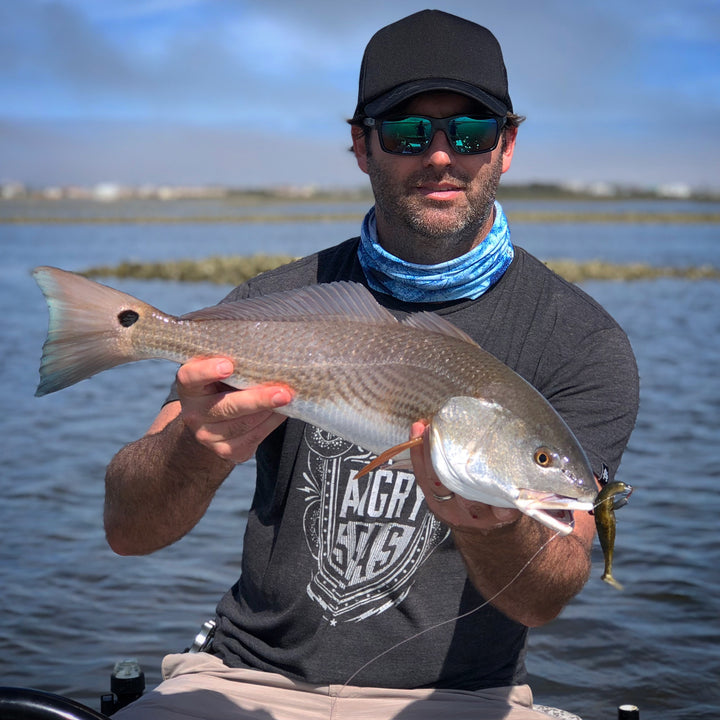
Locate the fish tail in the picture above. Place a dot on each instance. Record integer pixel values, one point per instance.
(608, 578)
(88, 329)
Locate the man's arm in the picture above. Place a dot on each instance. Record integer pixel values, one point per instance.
(158, 487)
(514, 561)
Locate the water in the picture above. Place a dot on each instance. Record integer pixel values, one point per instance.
(70, 608)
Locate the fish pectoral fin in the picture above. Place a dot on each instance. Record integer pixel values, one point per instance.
(388, 455)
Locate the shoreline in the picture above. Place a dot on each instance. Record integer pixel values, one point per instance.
(234, 270)
(557, 217)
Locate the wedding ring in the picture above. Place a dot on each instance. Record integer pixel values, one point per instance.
(444, 498)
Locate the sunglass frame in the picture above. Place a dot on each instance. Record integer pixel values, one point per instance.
(436, 124)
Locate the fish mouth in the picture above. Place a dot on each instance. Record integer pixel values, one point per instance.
(550, 509)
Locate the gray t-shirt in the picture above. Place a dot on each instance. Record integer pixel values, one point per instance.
(337, 570)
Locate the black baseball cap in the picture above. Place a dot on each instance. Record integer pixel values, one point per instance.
(432, 50)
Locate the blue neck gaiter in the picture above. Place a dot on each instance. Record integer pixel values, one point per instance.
(467, 276)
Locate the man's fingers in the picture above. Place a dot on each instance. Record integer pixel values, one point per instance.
(248, 426)
(240, 448)
(204, 394)
(200, 376)
(417, 429)
(230, 422)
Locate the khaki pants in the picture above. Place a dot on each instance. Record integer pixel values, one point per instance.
(198, 685)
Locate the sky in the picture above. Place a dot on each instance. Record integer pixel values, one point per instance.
(256, 93)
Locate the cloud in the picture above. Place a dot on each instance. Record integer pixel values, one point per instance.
(218, 66)
(611, 79)
(138, 153)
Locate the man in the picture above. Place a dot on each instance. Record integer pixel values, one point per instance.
(387, 596)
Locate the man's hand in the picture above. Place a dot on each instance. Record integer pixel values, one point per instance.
(457, 512)
(232, 423)
(158, 487)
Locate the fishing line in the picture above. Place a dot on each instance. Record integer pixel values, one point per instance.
(392, 648)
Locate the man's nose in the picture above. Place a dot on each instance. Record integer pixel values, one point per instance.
(439, 152)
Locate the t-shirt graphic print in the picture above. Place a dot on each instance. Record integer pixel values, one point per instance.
(369, 535)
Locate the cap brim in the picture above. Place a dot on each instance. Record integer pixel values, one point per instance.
(383, 104)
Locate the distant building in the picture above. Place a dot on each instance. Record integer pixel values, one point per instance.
(11, 190)
(678, 191)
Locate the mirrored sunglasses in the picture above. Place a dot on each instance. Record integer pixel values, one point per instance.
(413, 134)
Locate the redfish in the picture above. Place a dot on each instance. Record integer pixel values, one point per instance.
(354, 370)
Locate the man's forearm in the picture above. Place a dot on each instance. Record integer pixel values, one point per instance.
(528, 586)
(158, 488)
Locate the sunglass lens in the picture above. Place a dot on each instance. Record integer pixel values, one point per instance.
(473, 135)
(408, 136)
(412, 135)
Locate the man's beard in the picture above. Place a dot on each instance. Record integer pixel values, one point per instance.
(454, 229)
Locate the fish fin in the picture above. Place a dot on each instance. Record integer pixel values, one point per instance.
(434, 323)
(390, 453)
(85, 332)
(347, 300)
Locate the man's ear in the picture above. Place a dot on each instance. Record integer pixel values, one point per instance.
(510, 137)
(359, 146)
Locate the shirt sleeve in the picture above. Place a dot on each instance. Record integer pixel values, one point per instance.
(596, 391)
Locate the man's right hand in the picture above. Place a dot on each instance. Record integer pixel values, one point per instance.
(232, 423)
(158, 488)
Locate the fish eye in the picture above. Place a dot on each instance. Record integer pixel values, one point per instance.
(543, 457)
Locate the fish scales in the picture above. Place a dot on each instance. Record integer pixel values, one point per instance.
(387, 377)
(386, 373)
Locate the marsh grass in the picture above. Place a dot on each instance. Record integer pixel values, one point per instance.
(233, 270)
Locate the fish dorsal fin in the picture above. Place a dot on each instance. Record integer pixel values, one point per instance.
(348, 300)
(434, 323)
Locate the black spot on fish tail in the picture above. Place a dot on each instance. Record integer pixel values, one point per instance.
(128, 317)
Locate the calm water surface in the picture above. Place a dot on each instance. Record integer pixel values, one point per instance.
(70, 608)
